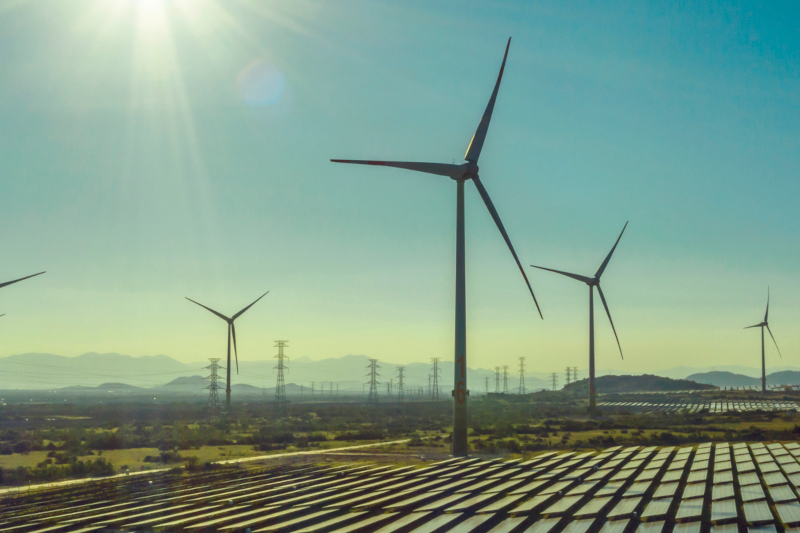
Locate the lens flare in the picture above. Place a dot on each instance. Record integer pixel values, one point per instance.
(261, 84)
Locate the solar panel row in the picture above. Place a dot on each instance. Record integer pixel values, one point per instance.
(709, 487)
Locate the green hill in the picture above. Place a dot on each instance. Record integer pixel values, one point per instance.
(646, 382)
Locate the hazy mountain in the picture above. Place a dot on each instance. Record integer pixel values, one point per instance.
(729, 379)
(645, 382)
(38, 371)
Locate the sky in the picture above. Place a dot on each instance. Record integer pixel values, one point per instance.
(152, 150)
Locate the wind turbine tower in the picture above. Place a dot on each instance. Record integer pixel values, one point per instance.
(462, 173)
(231, 334)
(280, 387)
(762, 325)
(592, 283)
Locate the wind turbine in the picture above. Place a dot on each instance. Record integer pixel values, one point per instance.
(231, 333)
(16, 280)
(20, 279)
(592, 283)
(460, 174)
(763, 325)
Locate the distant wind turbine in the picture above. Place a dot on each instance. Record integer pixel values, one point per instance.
(231, 333)
(592, 283)
(763, 325)
(460, 174)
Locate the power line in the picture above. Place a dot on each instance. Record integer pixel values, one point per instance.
(373, 381)
(435, 389)
(400, 391)
(280, 387)
(213, 387)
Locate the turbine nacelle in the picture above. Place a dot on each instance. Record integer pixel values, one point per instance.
(470, 171)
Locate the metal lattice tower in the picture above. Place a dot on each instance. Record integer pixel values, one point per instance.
(280, 386)
(487, 385)
(497, 379)
(373, 381)
(574, 373)
(569, 375)
(522, 375)
(400, 392)
(505, 379)
(436, 376)
(312, 388)
(555, 380)
(213, 387)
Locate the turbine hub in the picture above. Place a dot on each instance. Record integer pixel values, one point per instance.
(470, 170)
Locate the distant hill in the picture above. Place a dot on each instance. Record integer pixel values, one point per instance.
(646, 382)
(189, 384)
(724, 379)
(729, 379)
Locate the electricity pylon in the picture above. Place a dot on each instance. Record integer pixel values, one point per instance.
(574, 373)
(400, 391)
(373, 381)
(213, 387)
(522, 375)
(487, 385)
(280, 387)
(505, 379)
(569, 375)
(497, 379)
(555, 380)
(435, 389)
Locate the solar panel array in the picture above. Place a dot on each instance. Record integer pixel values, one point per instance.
(719, 488)
(716, 406)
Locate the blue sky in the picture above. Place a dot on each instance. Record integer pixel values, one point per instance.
(156, 149)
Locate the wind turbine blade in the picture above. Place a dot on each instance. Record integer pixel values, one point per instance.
(223, 317)
(440, 169)
(773, 340)
(573, 276)
(20, 279)
(496, 217)
(237, 315)
(767, 313)
(756, 326)
(235, 353)
(476, 145)
(603, 298)
(608, 257)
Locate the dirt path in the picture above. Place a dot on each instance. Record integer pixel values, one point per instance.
(226, 462)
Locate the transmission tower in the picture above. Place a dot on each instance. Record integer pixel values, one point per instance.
(435, 389)
(400, 391)
(429, 384)
(312, 388)
(280, 387)
(497, 380)
(555, 380)
(487, 385)
(522, 375)
(569, 375)
(505, 379)
(213, 387)
(373, 381)
(574, 373)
